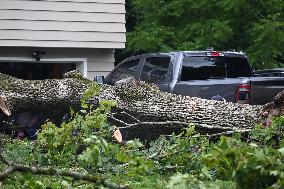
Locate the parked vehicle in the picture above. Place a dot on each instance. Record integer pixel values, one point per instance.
(203, 74)
(277, 72)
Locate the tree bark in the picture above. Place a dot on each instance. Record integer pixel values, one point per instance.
(143, 110)
(41, 95)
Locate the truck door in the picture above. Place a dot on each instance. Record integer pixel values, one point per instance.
(155, 70)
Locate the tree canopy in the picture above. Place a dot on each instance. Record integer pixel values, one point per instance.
(253, 26)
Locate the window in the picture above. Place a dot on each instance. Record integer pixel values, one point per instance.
(127, 69)
(237, 67)
(202, 68)
(155, 69)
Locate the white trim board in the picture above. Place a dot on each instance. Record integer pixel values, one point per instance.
(81, 63)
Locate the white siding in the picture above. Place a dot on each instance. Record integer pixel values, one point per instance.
(81, 1)
(63, 23)
(61, 16)
(61, 36)
(61, 26)
(61, 6)
(29, 43)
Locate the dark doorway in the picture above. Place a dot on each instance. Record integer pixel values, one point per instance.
(36, 71)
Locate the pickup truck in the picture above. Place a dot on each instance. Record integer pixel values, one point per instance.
(203, 74)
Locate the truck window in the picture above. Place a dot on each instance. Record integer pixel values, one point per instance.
(126, 69)
(201, 68)
(237, 67)
(155, 69)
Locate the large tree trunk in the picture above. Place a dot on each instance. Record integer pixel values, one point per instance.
(143, 110)
(42, 95)
(152, 112)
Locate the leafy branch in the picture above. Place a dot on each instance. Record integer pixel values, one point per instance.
(14, 167)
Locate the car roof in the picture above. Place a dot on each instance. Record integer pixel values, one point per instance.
(194, 53)
(226, 53)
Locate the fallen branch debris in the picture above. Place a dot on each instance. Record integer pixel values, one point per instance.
(14, 167)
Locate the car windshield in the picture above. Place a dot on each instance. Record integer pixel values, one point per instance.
(214, 67)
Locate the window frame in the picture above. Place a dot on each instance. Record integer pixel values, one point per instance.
(182, 65)
(201, 55)
(136, 74)
(167, 77)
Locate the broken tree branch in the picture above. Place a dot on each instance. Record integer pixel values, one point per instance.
(14, 167)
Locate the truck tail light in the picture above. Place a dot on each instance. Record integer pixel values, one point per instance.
(243, 94)
(215, 54)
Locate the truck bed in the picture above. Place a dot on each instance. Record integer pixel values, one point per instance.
(263, 89)
(226, 88)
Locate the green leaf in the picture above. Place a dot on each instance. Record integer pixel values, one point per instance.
(281, 150)
(273, 173)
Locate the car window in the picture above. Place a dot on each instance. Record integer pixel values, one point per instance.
(237, 67)
(211, 67)
(201, 68)
(155, 69)
(126, 69)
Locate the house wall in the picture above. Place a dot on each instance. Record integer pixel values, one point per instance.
(63, 23)
(99, 61)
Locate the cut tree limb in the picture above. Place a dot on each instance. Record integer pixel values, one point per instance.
(24, 95)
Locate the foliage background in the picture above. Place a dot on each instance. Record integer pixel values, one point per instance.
(252, 26)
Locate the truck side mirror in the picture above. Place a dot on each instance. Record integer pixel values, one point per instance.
(99, 79)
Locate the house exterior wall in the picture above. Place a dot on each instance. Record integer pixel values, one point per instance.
(99, 61)
(63, 23)
(63, 29)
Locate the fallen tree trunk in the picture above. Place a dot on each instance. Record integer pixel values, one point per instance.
(143, 110)
(159, 112)
(41, 95)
